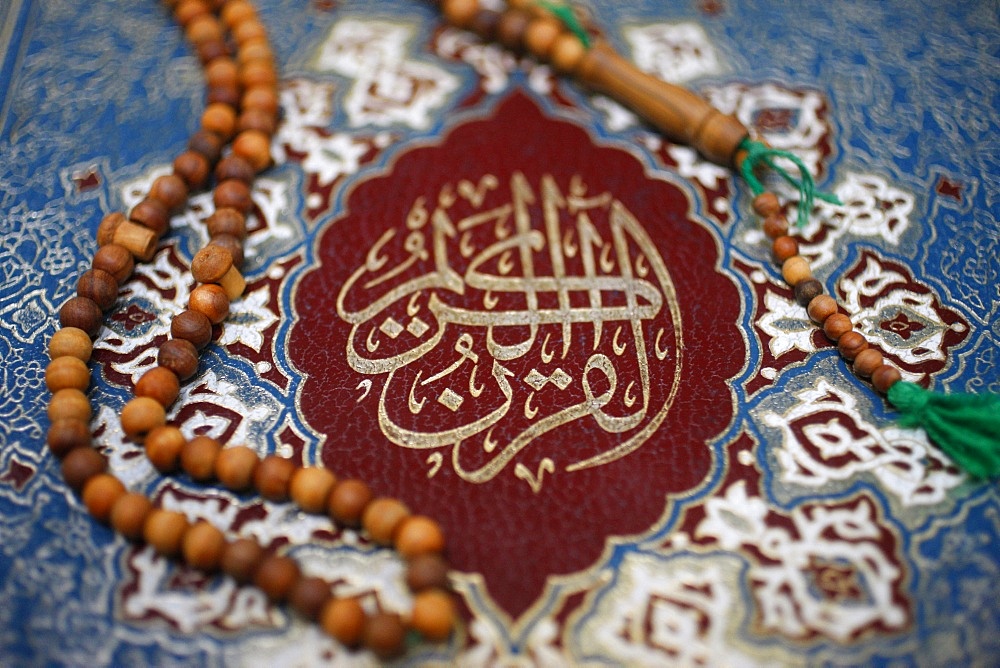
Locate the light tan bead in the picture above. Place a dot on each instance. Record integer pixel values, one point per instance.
(139, 240)
(67, 372)
(821, 308)
(567, 53)
(163, 448)
(219, 118)
(348, 501)
(214, 264)
(202, 547)
(343, 619)
(382, 517)
(235, 12)
(272, 477)
(310, 488)
(249, 30)
(235, 466)
(254, 147)
(198, 458)
(165, 530)
(72, 342)
(459, 12)
(142, 415)
(419, 535)
(129, 514)
(100, 494)
(433, 614)
(795, 269)
(541, 36)
(867, 362)
(69, 404)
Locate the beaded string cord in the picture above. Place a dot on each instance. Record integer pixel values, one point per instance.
(231, 147)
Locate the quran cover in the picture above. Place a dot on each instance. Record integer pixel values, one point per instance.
(509, 302)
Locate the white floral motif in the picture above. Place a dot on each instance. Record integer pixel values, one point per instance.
(676, 52)
(784, 320)
(492, 62)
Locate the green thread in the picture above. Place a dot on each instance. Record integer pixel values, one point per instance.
(760, 154)
(566, 16)
(965, 426)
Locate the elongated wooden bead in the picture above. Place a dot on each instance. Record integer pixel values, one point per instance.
(213, 264)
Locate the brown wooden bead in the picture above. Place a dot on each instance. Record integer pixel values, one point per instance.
(343, 619)
(227, 221)
(129, 513)
(188, 10)
(100, 494)
(807, 290)
(180, 357)
(821, 308)
(836, 326)
(214, 264)
(276, 576)
(108, 225)
(68, 434)
(347, 502)
(234, 167)
(484, 24)
(540, 36)
(241, 558)
(163, 448)
(222, 72)
(220, 119)
(82, 313)
(211, 301)
(164, 530)
(203, 546)
(783, 248)
(100, 286)
(160, 385)
(257, 119)
(227, 95)
(151, 213)
(193, 167)
(418, 535)
(69, 404)
(308, 596)
(203, 29)
(273, 477)
(71, 342)
(382, 517)
(255, 49)
(231, 245)
(258, 73)
(263, 98)
(795, 270)
(433, 614)
(82, 464)
(171, 190)
(234, 194)
(142, 415)
(766, 204)
(210, 50)
(67, 372)
(511, 28)
(116, 260)
(254, 147)
(426, 571)
(237, 11)
(310, 488)
(207, 144)
(867, 362)
(385, 635)
(192, 326)
(884, 377)
(235, 466)
(850, 344)
(246, 31)
(567, 53)
(459, 13)
(776, 226)
(198, 458)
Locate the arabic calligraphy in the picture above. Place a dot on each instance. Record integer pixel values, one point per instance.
(502, 319)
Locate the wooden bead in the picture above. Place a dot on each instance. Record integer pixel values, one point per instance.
(163, 448)
(795, 270)
(100, 286)
(227, 95)
(65, 435)
(884, 377)
(263, 98)
(836, 326)
(180, 357)
(192, 326)
(207, 144)
(237, 11)
(567, 53)
(426, 571)
(273, 477)
(821, 308)
(418, 535)
(214, 264)
(171, 190)
(254, 147)
(193, 167)
(867, 362)
(258, 73)
(276, 576)
(82, 464)
(210, 50)
(188, 10)
(257, 119)
(484, 24)
(141, 416)
(164, 530)
(227, 221)
(203, 546)
(129, 513)
(807, 290)
(100, 494)
(82, 313)
(235, 466)
(234, 167)
(203, 29)
(784, 248)
(308, 596)
(198, 458)
(160, 385)
(222, 72)
(69, 404)
(241, 558)
(310, 488)
(151, 213)
(766, 204)
(234, 194)
(347, 502)
(246, 31)
(382, 517)
(116, 260)
(776, 226)
(540, 36)
(220, 119)
(459, 13)
(385, 635)
(231, 245)
(511, 28)
(433, 614)
(67, 372)
(850, 344)
(343, 619)
(211, 301)
(71, 342)
(257, 49)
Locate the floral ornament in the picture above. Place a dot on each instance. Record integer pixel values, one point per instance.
(674, 52)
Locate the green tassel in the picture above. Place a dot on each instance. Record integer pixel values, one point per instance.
(965, 426)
